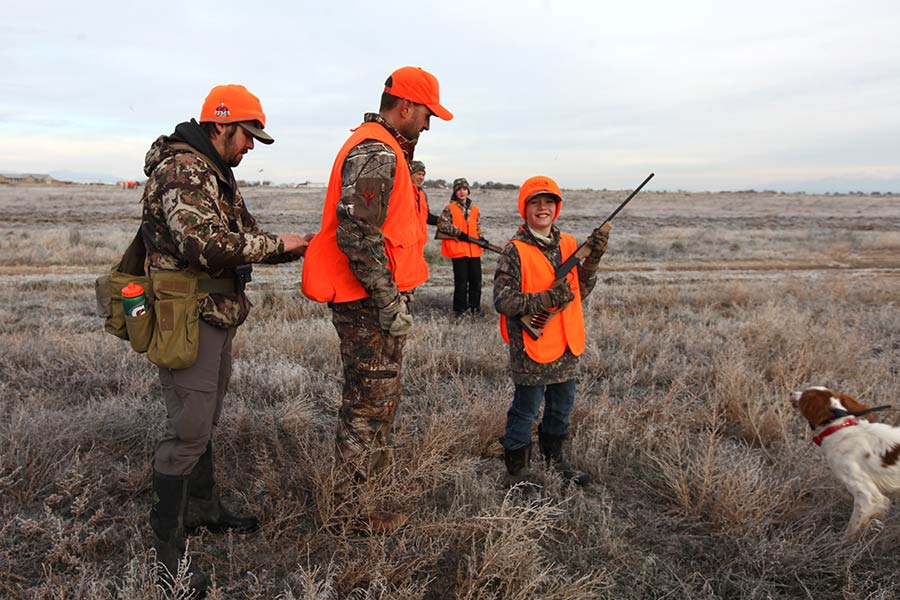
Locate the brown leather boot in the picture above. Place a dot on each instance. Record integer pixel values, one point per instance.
(167, 522)
(377, 522)
(381, 521)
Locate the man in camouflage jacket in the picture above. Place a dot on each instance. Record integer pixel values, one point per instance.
(194, 219)
(369, 307)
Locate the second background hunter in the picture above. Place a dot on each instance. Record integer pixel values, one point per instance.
(460, 218)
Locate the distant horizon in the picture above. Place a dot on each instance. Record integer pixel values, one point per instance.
(74, 177)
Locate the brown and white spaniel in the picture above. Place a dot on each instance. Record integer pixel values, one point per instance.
(862, 455)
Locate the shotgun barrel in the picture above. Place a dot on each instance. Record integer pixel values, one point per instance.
(472, 240)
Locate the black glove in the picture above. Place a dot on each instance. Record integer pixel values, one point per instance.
(559, 294)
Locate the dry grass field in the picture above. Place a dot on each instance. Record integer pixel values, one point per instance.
(710, 309)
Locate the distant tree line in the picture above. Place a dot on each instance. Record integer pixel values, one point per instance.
(803, 193)
(487, 185)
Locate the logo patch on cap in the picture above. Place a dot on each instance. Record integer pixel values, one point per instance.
(222, 110)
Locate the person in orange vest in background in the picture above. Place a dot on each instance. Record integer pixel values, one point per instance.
(417, 174)
(543, 370)
(365, 263)
(460, 218)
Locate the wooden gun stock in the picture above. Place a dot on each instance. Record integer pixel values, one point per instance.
(533, 325)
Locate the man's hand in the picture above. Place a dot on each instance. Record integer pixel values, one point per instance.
(395, 318)
(559, 294)
(295, 244)
(300, 250)
(597, 242)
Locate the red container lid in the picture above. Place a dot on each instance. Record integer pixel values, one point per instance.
(132, 290)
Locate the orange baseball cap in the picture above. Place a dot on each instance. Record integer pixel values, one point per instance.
(233, 103)
(539, 184)
(420, 86)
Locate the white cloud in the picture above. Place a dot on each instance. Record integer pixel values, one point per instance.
(708, 94)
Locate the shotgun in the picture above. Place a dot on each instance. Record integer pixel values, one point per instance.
(465, 238)
(534, 324)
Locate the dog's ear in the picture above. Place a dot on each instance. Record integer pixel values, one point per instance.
(816, 407)
(851, 405)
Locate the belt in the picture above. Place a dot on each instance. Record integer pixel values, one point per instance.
(216, 286)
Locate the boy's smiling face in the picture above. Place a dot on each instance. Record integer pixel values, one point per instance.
(540, 211)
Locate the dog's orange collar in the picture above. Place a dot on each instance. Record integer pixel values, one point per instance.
(818, 439)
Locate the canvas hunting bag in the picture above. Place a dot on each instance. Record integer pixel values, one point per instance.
(175, 338)
(169, 330)
(176, 324)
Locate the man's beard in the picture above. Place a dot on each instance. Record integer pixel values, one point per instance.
(234, 159)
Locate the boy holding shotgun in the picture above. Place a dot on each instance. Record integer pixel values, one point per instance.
(543, 369)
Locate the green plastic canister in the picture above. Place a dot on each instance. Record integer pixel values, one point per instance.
(134, 300)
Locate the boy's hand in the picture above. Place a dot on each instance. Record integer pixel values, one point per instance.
(559, 294)
(597, 242)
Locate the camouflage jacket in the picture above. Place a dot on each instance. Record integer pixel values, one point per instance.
(511, 301)
(445, 221)
(359, 233)
(194, 217)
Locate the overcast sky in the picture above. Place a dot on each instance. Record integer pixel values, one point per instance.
(709, 95)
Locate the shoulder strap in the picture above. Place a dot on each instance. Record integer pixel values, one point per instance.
(228, 197)
(188, 148)
(134, 261)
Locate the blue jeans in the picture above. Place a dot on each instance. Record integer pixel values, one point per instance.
(526, 405)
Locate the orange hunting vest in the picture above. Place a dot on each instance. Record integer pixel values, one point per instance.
(326, 271)
(566, 329)
(422, 208)
(456, 248)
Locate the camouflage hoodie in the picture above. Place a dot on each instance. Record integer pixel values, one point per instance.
(510, 300)
(194, 217)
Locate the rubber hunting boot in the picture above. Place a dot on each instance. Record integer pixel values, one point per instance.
(167, 522)
(551, 448)
(517, 462)
(205, 507)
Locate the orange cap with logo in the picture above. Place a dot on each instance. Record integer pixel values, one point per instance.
(234, 103)
(420, 86)
(539, 184)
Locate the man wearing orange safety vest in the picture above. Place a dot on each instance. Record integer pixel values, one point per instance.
(543, 370)
(417, 174)
(365, 263)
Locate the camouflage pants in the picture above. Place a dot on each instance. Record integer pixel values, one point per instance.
(371, 359)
